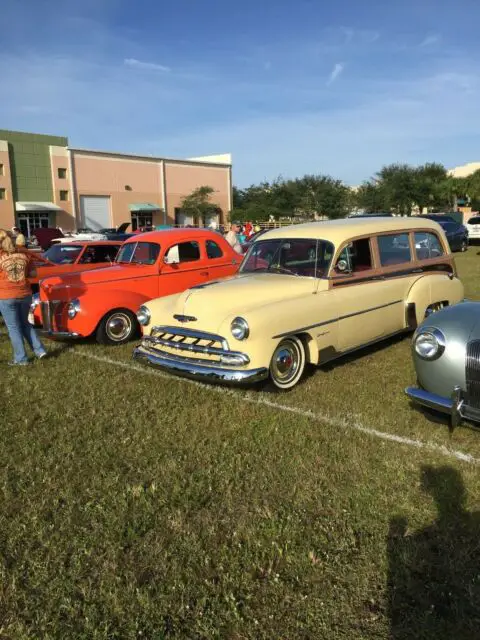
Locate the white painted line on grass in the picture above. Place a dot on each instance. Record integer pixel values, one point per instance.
(260, 399)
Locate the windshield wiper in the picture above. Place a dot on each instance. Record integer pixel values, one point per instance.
(281, 269)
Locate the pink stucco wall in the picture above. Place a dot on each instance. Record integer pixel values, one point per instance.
(182, 179)
(7, 209)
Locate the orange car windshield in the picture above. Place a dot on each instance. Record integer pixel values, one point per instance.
(138, 253)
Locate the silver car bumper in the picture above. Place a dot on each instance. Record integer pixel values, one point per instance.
(455, 406)
(186, 368)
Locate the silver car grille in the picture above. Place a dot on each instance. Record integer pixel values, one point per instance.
(49, 311)
(193, 345)
(472, 374)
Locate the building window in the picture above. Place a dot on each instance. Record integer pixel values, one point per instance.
(3, 194)
(62, 173)
(2, 169)
(63, 195)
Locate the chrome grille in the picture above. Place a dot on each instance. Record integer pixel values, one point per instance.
(198, 346)
(472, 374)
(49, 311)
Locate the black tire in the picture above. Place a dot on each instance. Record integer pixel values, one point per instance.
(287, 365)
(464, 246)
(117, 327)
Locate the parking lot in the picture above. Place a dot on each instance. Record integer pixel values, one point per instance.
(140, 505)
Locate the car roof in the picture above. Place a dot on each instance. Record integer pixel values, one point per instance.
(83, 243)
(171, 235)
(339, 230)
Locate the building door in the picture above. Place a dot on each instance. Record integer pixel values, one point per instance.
(141, 219)
(32, 220)
(95, 212)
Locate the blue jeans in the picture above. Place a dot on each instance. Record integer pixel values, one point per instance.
(15, 315)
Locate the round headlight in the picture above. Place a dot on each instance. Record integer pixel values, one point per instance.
(239, 328)
(429, 344)
(143, 316)
(73, 308)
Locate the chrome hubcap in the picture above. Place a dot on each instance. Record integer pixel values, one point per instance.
(285, 363)
(118, 327)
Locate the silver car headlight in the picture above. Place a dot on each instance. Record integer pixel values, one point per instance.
(239, 328)
(73, 308)
(429, 343)
(143, 316)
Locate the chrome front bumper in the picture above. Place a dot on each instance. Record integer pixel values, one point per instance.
(455, 406)
(198, 369)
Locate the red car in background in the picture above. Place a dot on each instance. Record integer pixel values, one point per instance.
(72, 257)
(104, 302)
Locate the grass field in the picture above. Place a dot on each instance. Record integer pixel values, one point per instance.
(135, 505)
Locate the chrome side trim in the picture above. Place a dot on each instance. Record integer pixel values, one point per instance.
(182, 346)
(191, 333)
(345, 317)
(58, 334)
(187, 368)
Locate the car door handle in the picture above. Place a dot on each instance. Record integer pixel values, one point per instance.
(204, 273)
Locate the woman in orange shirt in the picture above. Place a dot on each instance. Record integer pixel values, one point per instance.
(15, 299)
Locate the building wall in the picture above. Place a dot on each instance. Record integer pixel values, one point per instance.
(128, 180)
(125, 180)
(7, 205)
(465, 170)
(59, 159)
(30, 164)
(181, 179)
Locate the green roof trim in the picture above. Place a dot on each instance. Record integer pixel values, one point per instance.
(144, 206)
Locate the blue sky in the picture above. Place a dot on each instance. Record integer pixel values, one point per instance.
(288, 88)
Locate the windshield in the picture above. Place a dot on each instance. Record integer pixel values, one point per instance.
(298, 257)
(138, 253)
(63, 253)
(475, 220)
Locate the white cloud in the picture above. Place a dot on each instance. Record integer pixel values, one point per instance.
(336, 71)
(151, 66)
(430, 40)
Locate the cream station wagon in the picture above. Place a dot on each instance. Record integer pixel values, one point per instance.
(304, 294)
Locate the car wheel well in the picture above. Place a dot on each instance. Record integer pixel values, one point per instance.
(124, 310)
(311, 352)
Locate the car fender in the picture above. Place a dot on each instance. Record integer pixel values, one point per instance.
(431, 288)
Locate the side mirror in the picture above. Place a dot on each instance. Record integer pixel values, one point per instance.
(342, 266)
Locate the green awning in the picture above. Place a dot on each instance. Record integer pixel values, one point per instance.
(144, 206)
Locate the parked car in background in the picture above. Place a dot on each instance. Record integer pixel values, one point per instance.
(44, 236)
(103, 302)
(305, 294)
(81, 234)
(119, 233)
(473, 227)
(74, 257)
(446, 353)
(457, 235)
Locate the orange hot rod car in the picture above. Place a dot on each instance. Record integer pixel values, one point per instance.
(104, 302)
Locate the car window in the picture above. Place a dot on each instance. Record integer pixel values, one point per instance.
(213, 250)
(474, 220)
(427, 245)
(184, 252)
(63, 254)
(99, 254)
(355, 257)
(300, 257)
(139, 253)
(394, 249)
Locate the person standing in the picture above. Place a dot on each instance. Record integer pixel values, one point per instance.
(15, 299)
(18, 237)
(232, 238)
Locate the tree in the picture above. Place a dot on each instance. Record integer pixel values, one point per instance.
(398, 182)
(429, 191)
(198, 204)
(371, 197)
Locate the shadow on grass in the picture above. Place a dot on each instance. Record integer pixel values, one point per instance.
(433, 581)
